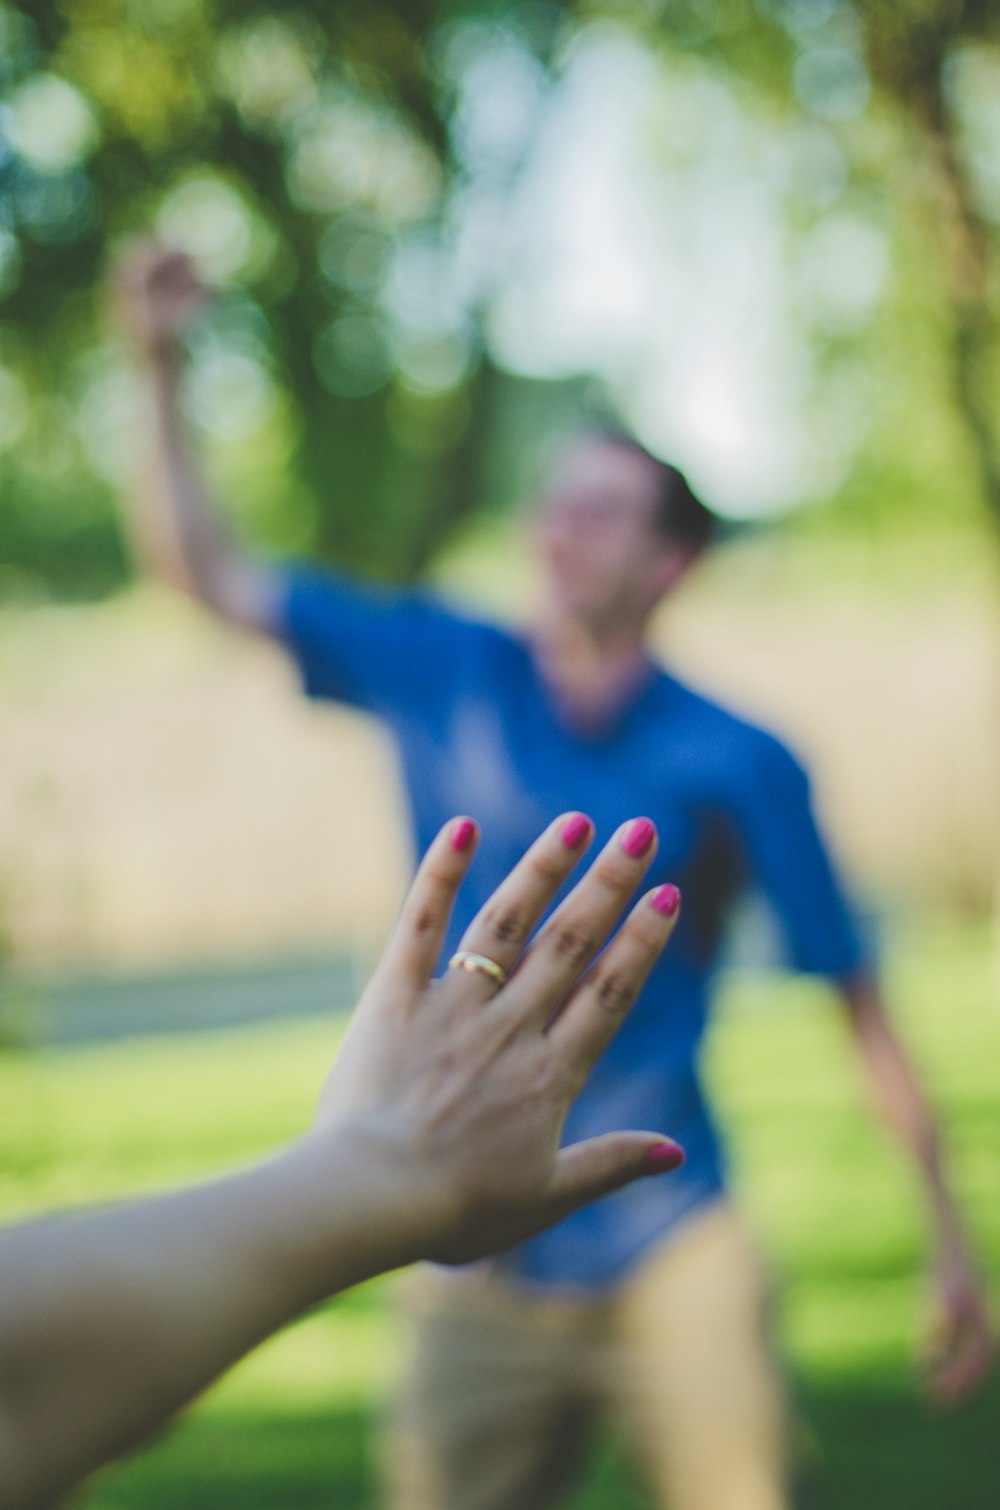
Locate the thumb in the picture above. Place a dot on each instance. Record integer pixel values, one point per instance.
(597, 1166)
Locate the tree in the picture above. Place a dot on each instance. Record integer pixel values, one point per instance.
(320, 161)
(296, 150)
(909, 89)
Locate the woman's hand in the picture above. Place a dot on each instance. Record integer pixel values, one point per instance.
(453, 1092)
(437, 1137)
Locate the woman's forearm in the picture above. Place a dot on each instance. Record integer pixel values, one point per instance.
(114, 1319)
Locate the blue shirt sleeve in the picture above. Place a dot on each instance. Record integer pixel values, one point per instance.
(386, 652)
(790, 863)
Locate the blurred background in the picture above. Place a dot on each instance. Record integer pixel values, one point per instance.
(765, 234)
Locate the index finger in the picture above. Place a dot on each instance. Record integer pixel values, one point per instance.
(415, 943)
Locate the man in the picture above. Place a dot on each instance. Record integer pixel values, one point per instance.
(647, 1305)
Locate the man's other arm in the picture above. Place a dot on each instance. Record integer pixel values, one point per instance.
(790, 859)
(176, 531)
(963, 1346)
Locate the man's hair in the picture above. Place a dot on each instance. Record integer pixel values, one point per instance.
(681, 517)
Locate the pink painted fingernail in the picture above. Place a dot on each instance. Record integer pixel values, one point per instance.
(637, 838)
(663, 1157)
(575, 830)
(666, 899)
(461, 834)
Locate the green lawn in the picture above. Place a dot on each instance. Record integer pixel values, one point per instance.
(292, 1428)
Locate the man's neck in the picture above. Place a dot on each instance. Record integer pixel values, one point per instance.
(591, 670)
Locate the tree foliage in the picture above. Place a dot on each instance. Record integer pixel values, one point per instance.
(317, 159)
(292, 149)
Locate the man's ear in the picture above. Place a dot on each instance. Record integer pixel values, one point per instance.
(672, 564)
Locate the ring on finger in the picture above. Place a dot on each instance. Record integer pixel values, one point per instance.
(465, 959)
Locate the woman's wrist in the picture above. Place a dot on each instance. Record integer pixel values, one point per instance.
(342, 1204)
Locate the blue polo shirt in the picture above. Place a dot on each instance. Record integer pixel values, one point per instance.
(477, 733)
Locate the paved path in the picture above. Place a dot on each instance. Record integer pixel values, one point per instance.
(84, 1010)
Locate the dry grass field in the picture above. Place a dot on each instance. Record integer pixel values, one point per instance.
(165, 794)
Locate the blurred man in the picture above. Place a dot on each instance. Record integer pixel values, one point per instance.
(647, 1306)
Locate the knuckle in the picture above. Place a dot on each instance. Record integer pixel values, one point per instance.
(616, 993)
(545, 868)
(424, 920)
(613, 877)
(507, 923)
(643, 931)
(573, 943)
(435, 877)
(548, 1078)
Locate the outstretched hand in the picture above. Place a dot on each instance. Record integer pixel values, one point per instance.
(158, 292)
(455, 1090)
(437, 1136)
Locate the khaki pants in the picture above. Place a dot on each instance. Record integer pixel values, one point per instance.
(505, 1381)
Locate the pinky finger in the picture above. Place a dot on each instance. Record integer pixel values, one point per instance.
(585, 1171)
(596, 1009)
(413, 948)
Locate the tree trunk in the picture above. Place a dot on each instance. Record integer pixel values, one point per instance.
(969, 263)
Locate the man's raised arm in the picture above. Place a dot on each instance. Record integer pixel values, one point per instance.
(176, 531)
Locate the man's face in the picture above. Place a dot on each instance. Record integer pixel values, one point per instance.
(602, 556)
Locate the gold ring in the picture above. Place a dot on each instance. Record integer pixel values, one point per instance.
(466, 960)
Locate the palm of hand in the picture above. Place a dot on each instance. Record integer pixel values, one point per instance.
(460, 1090)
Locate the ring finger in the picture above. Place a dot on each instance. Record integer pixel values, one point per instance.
(500, 931)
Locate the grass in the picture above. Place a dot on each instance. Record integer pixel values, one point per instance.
(293, 1427)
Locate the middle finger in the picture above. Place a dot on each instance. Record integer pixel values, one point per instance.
(501, 930)
(579, 926)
